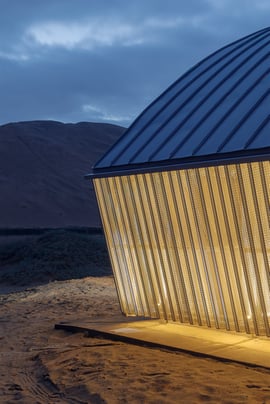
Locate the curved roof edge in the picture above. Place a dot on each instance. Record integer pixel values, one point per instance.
(218, 107)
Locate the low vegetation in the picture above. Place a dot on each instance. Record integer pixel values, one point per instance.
(55, 255)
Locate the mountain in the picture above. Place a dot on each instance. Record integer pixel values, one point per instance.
(42, 168)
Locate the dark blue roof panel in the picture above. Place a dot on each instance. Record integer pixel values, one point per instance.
(221, 105)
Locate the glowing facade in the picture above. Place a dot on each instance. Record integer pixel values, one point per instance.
(184, 196)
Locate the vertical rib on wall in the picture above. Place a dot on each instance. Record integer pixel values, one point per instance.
(192, 246)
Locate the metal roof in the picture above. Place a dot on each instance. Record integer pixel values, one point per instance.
(219, 108)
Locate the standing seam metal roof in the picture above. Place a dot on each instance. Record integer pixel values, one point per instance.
(220, 106)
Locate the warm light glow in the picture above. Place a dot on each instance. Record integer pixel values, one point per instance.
(192, 246)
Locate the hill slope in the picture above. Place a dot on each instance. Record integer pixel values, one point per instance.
(42, 168)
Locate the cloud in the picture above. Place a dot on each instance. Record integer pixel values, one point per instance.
(85, 35)
(14, 56)
(92, 33)
(95, 113)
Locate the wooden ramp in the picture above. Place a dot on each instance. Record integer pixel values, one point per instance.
(225, 346)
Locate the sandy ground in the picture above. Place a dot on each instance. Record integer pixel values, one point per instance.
(42, 365)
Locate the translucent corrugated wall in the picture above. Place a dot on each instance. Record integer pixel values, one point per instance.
(192, 246)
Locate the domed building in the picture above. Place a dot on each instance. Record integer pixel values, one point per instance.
(184, 196)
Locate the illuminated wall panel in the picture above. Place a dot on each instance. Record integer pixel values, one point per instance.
(192, 246)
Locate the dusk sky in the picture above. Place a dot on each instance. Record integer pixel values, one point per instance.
(106, 60)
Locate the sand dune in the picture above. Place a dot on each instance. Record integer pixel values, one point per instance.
(42, 170)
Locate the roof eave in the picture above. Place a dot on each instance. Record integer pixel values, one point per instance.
(182, 163)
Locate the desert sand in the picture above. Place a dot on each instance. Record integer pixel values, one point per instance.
(40, 364)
